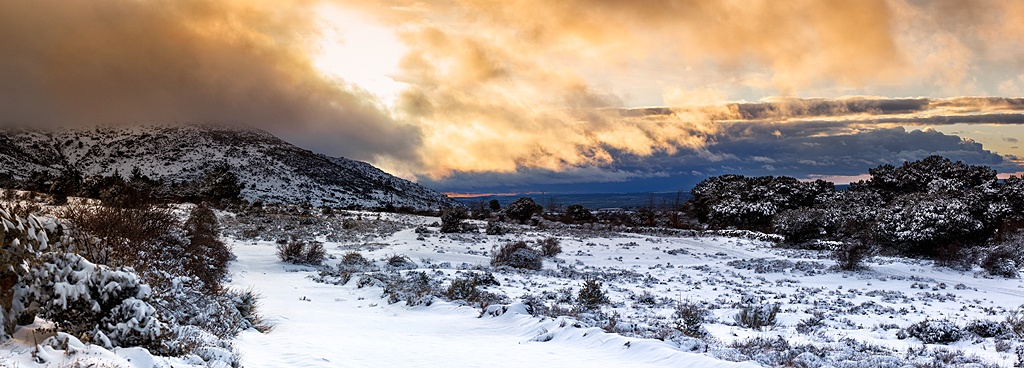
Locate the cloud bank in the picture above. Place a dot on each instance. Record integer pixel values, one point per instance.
(531, 89)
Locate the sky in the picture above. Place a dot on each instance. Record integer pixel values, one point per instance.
(470, 96)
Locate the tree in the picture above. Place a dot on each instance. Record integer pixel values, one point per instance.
(495, 205)
(206, 256)
(220, 184)
(451, 220)
(522, 209)
(578, 213)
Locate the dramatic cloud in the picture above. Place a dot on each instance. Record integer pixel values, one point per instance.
(226, 61)
(552, 91)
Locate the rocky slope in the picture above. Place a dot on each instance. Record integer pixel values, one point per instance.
(271, 169)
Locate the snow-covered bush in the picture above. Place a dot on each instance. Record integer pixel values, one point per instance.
(400, 262)
(301, 252)
(516, 254)
(940, 331)
(1015, 321)
(987, 328)
(109, 305)
(1004, 261)
(591, 296)
(550, 247)
(452, 221)
(467, 288)
(690, 318)
(21, 239)
(522, 209)
(495, 228)
(757, 316)
(414, 288)
(799, 225)
(851, 255)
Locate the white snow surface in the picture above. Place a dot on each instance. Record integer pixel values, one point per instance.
(323, 325)
(327, 325)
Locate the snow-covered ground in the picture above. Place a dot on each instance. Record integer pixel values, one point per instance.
(826, 317)
(322, 324)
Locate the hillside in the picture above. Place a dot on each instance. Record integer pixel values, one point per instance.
(271, 169)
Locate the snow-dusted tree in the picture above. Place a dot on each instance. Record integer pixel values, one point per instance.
(522, 209)
(452, 220)
(752, 203)
(925, 224)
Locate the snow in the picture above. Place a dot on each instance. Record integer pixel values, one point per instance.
(643, 275)
(322, 325)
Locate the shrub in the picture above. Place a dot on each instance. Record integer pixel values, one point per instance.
(466, 288)
(591, 296)
(415, 288)
(549, 247)
(577, 213)
(452, 220)
(301, 252)
(495, 228)
(290, 251)
(517, 255)
(757, 316)
(1015, 321)
(122, 236)
(82, 298)
(206, 256)
(690, 319)
(808, 325)
(851, 255)
(987, 328)
(1003, 261)
(398, 261)
(933, 331)
(522, 209)
(354, 259)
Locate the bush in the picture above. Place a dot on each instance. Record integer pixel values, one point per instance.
(550, 247)
(206, 256)
(466, 288)
(301, 252)
(123, 236)
(354, 259)
(690, 319)
(1015, 321)
(987, 328)
(933, 332)
(757, 316)
(591, 296)
(577, 213)
(851, 255)
(522, 209)
(397, 261)
(1003, 261)
(452, 221)
(82, 298)
(415, 288)
(517, 255)
(495, 228)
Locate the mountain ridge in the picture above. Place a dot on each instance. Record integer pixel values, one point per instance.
(270, 169)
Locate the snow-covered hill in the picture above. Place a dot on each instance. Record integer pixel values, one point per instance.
(271, 169)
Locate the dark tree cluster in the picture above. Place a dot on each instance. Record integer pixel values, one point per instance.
(218, 185)
(932, 208)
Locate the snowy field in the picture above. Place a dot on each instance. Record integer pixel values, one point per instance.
(825, 317)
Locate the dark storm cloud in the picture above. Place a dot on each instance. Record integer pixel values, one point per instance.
(224, 61)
